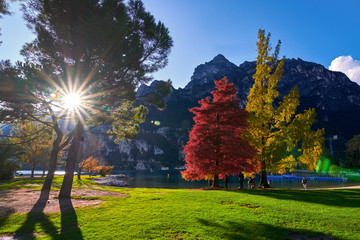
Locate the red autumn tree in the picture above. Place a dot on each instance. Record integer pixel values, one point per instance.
(91, 164)
(216, 146)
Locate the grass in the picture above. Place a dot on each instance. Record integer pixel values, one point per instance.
(26, 182)
(188, 214)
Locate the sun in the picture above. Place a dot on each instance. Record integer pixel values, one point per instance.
(71, 101)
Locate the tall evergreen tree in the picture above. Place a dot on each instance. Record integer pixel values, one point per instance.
(216, 146)
(274, 128)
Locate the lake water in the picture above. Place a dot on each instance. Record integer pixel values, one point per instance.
(39, 172)
(172, 179)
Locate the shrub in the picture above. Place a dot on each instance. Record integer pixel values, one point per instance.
(103, 170)
(7, 169)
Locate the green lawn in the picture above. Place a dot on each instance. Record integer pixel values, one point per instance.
(189, 214)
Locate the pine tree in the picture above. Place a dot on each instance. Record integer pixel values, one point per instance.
(3, 10)
(101, 50)
(216, 146)
(274, 128)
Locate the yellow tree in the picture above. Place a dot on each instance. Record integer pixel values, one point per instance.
(274, 127)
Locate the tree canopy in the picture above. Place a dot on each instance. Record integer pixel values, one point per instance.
(275, 128)
(3, 10)
(353, 152)
(98, 51)
(216, 146)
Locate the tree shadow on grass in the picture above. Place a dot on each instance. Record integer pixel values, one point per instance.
(69, 226)
(35, 216)
(69, 223)
(256, 230)
(339, 197)
(6, 211)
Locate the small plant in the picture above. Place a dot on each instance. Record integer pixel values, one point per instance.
(104, 170)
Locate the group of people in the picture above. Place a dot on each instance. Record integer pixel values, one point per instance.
(251, 182)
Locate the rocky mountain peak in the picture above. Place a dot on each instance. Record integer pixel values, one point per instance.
(220, 59)
(145, 89)
(216, 69)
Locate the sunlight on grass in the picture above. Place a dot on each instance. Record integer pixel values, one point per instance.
(182, 214)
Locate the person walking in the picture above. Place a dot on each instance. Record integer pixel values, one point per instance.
(304, 182)
(241, 180)
(226, 181)
(251, 183)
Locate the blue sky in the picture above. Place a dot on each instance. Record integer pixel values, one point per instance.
(313, 30)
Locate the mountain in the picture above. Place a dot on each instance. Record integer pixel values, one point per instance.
(335, 98)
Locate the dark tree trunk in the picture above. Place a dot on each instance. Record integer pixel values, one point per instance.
(79, 174)
(216, 181)
(52, 164)
(263, 179)
(54, 152)
(43, 173)
(32, 170)
(65, 191)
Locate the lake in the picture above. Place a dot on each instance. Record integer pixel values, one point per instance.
(172, 179)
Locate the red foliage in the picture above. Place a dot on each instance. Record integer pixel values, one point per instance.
(216, 146)
(89, 165)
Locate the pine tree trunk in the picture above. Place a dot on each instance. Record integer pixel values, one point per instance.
(65, 191)
(32, 170)
(52, 164)
(216, 181)
(54, 153)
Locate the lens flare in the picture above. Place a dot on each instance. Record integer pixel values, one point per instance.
(156, 123)
(324, 166)
(71, 101)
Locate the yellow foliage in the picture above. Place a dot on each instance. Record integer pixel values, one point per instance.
(277, 131)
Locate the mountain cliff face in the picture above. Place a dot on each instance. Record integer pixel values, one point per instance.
(335, 98)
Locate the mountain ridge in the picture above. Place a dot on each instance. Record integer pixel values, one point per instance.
(335, 98)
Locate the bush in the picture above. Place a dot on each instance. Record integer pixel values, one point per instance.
(103, 170)
(7, 169)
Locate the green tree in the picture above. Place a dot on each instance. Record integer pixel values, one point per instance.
(35, 140)
(100, 51)
(353, 152)
(3, 10)
(274, 128)
(8, 154)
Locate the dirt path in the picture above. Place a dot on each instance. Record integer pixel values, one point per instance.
(22, 200)
(357, 186)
